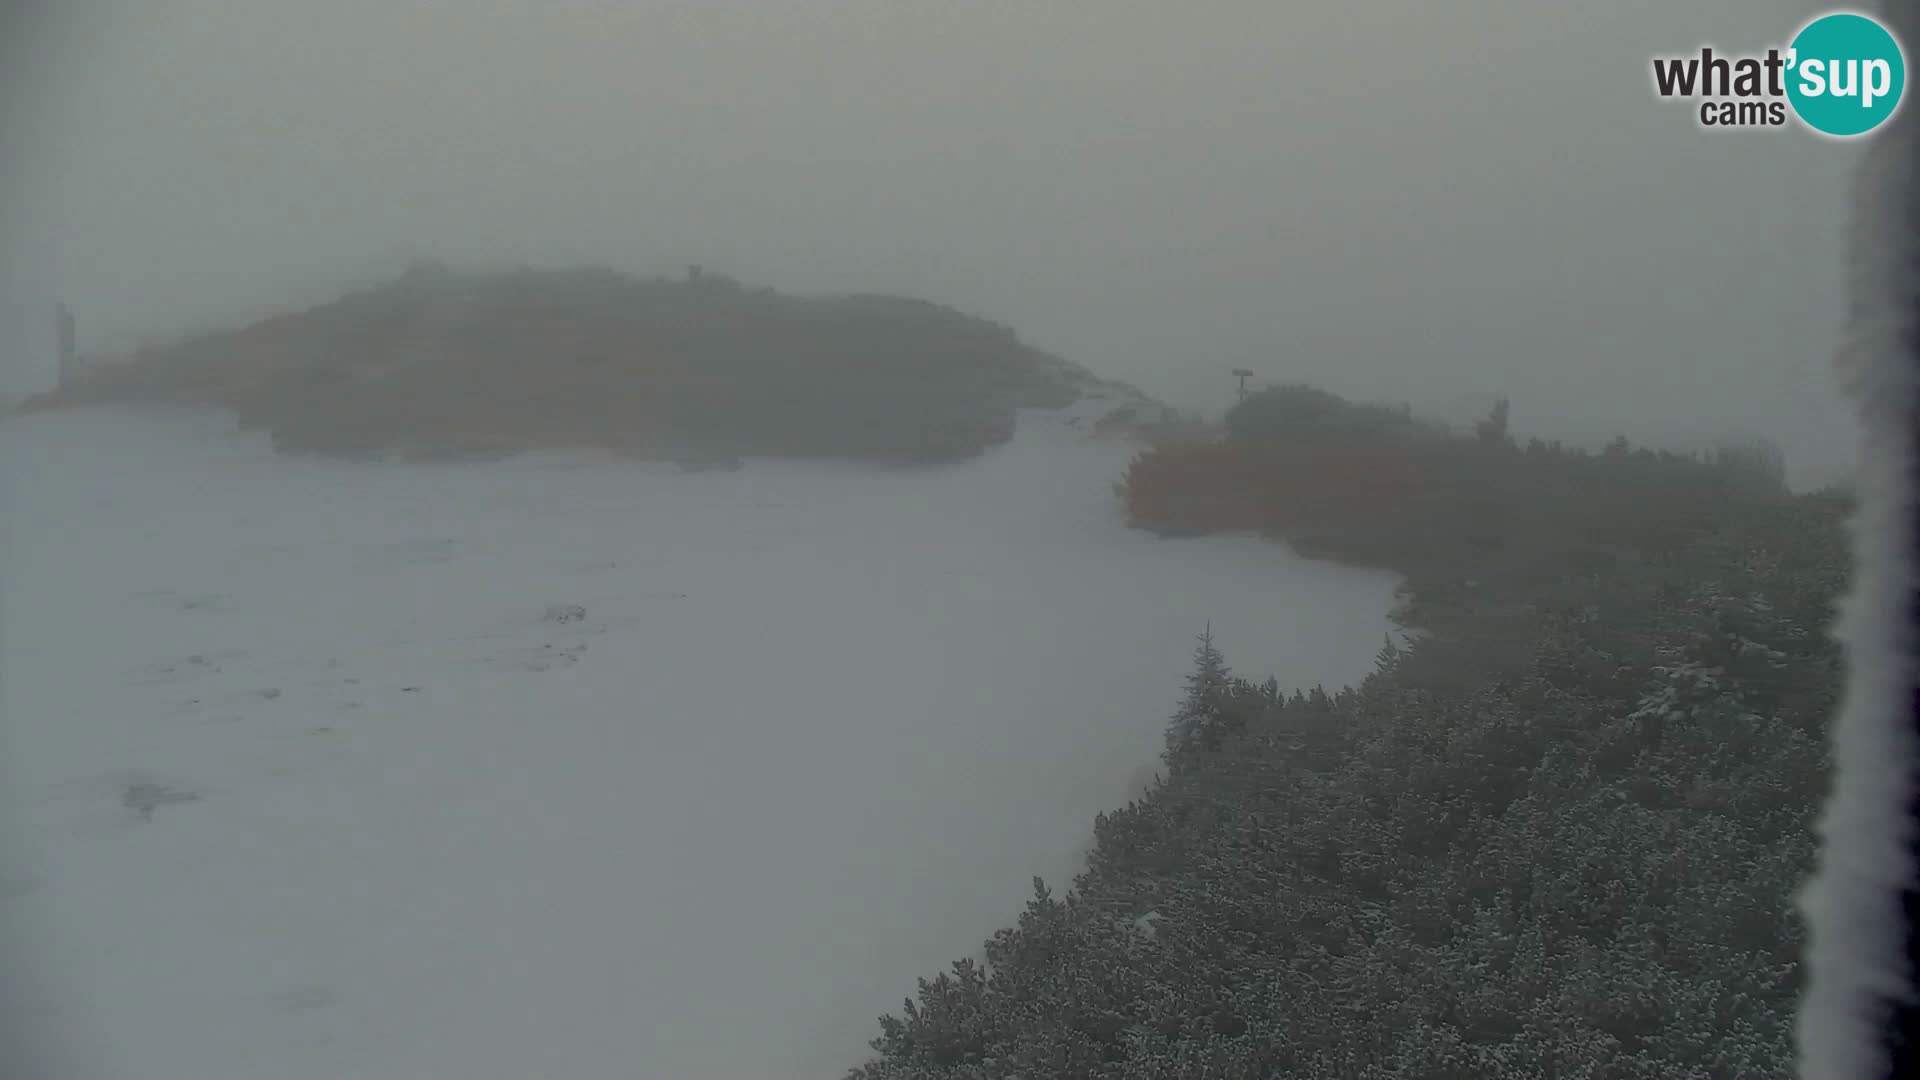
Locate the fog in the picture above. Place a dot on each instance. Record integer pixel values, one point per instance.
(313, 764)
(1424, 203)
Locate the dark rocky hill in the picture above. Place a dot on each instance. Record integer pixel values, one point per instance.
(438, 363)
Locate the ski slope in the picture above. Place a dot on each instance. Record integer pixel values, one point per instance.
(564, 766)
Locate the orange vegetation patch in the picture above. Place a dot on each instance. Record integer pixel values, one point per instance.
(1230, 485)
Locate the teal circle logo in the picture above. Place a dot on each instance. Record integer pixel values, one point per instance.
(1847, 74)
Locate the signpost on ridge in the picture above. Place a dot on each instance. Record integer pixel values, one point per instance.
(1243, 374)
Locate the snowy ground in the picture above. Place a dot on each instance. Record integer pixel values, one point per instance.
(303, 781)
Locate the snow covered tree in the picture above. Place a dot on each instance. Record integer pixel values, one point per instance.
(1207, 683)
(1585, 864)
(1388, 657)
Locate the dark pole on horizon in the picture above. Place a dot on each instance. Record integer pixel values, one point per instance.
(1243, 374)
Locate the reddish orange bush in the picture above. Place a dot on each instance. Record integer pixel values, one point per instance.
(1236, 485)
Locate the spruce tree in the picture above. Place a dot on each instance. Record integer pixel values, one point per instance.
(1206, 684)
(1388, 657)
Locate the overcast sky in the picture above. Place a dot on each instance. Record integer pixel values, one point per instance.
(1409, 200)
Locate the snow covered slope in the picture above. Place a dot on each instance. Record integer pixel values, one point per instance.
(570, 767)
